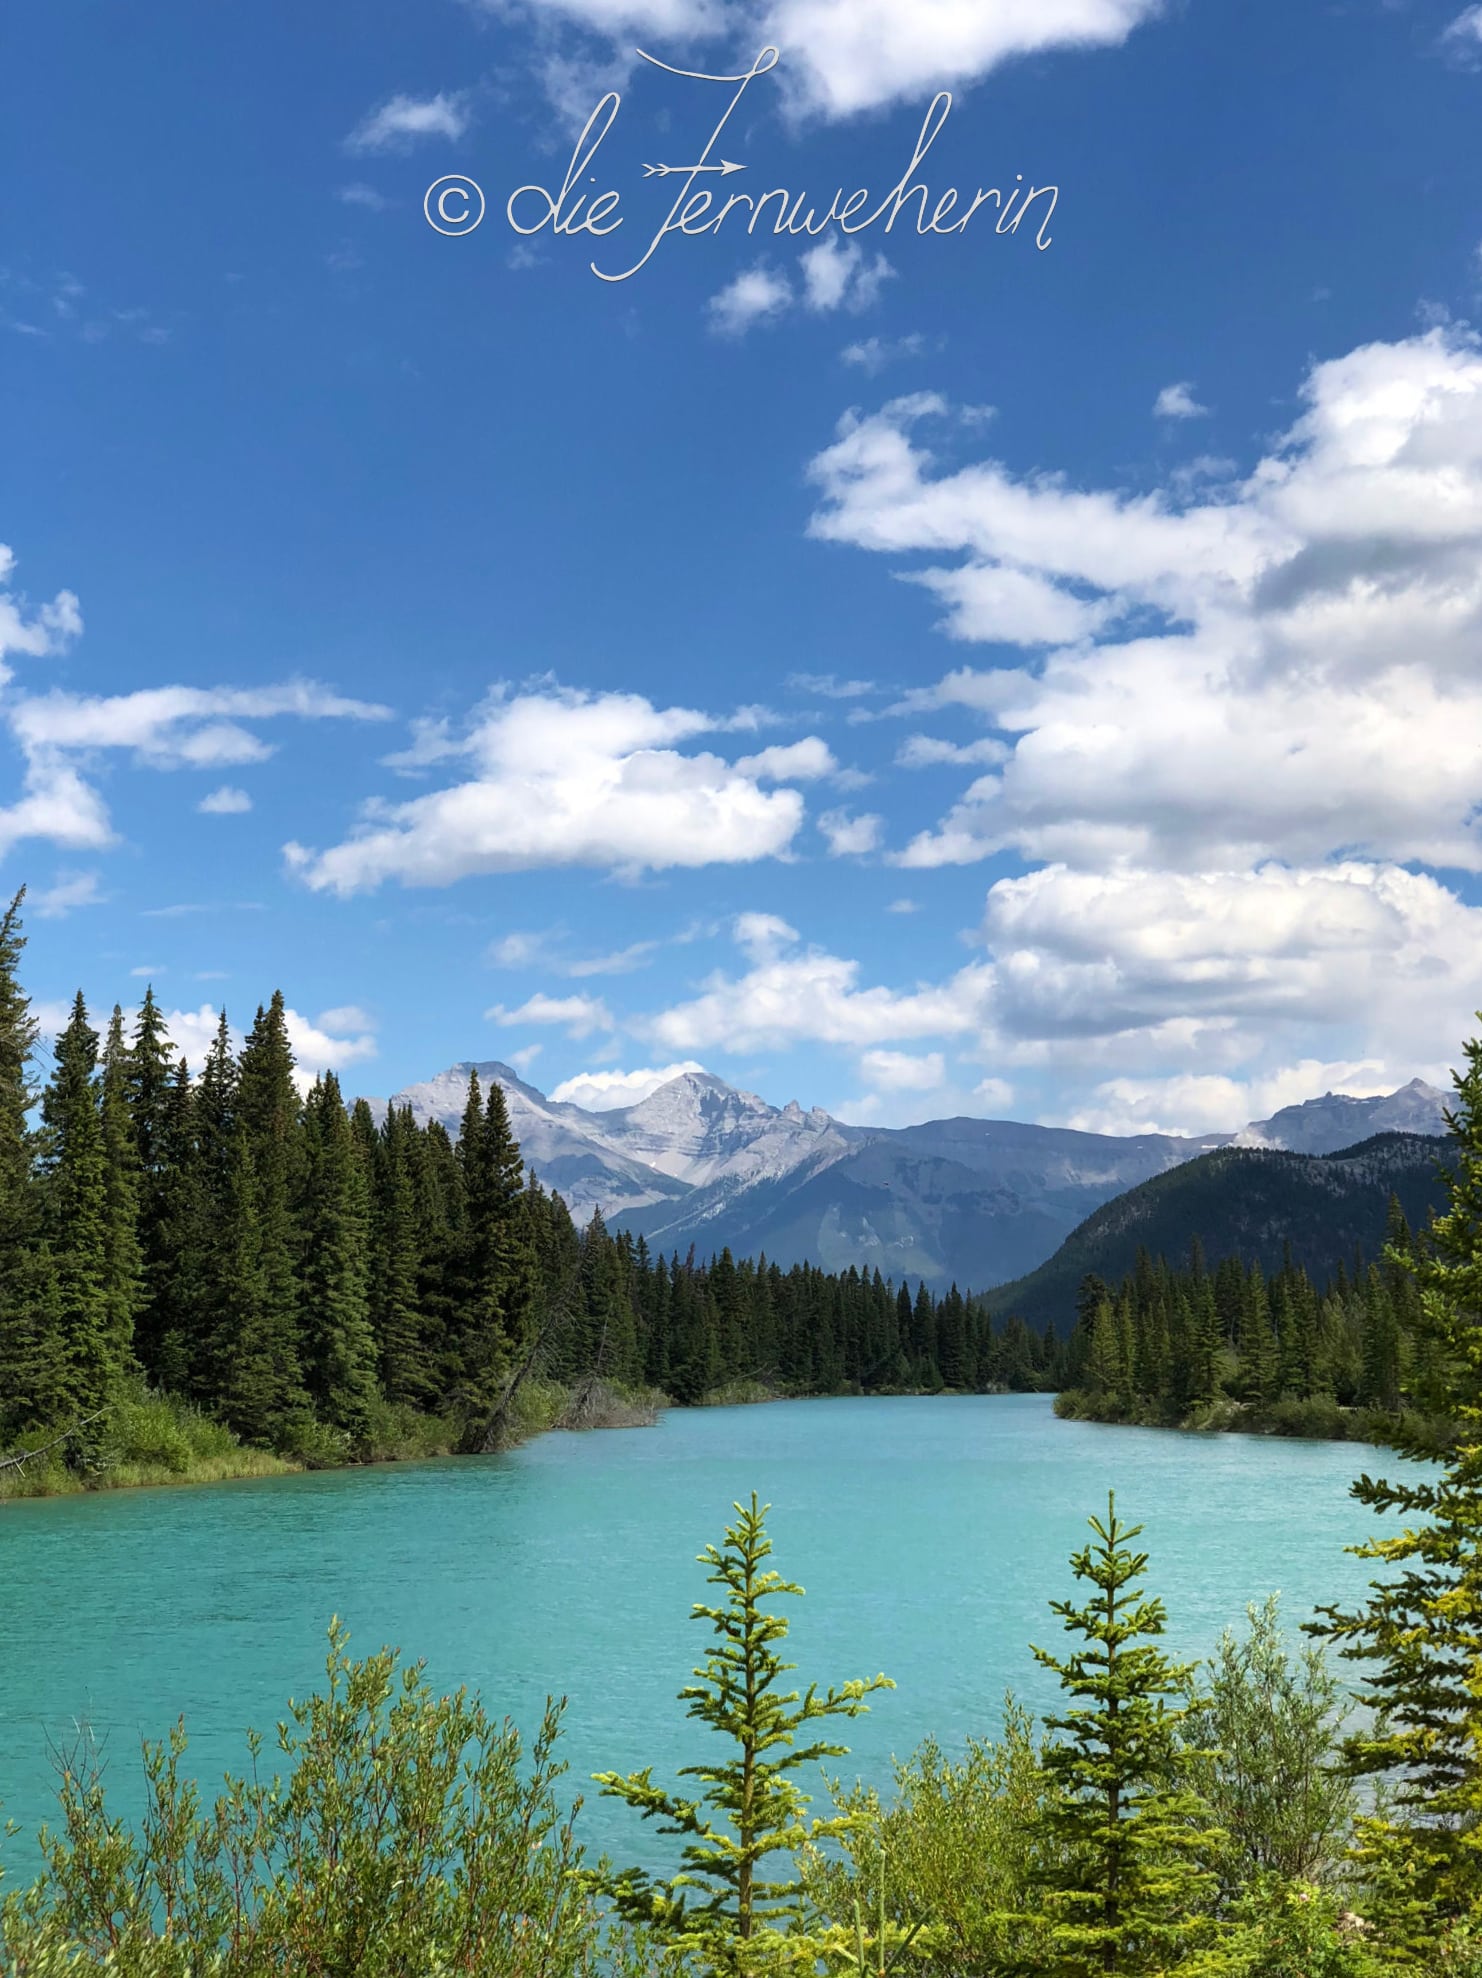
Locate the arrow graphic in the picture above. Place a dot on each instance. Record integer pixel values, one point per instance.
(725, 167)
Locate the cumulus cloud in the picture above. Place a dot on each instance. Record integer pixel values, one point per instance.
(850, 835)
(605, 1091)
(756, 295)
(1309, 685)
(33, 632)
(841, 57)
(838, 274)
(401, 122)
(567, 778)
(833, 274)
(315, 1048)
(227, 801)
(578, 1016)
(1179, 402)
(900, 1071)
(792, 994)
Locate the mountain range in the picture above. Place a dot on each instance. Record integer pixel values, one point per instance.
(1252, 1202)
(972, 1201)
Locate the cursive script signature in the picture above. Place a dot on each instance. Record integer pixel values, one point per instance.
(703, 209)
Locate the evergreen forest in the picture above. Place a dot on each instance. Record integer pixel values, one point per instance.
(191, 1262)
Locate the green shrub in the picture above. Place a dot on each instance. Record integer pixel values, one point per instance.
(410, 1835)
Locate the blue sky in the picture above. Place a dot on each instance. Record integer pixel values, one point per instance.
(911, 674)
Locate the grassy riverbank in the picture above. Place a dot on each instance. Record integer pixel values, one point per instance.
(148, 1439)
(1317, 1419)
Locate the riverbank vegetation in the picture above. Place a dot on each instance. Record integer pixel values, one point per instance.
(221, 1275)
(1229, 1348)
(1225, 1821)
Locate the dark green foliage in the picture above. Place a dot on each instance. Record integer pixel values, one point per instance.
(1418, 1639)
(1128, 1836)
(1240, 1349)
(409, 1834)
(329, 1288)
(1271, 1208)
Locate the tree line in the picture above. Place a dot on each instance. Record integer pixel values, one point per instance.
(1174, 1344)
(315, 1279)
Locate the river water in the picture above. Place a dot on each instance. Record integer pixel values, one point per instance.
(929, 1533)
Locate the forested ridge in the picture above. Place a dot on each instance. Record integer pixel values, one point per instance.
(1232, 1347)
(331, 1288)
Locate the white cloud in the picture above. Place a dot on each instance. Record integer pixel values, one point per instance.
(399, 123)
(872, 354)
(33, 632)
(830, 686)
(620, 961)
(177, 727)
(793, 995)
(1462, 38)
(579, 1016)
(903, 906)
(850, 836)
(192, 1033)
(1296, 675)
(840, 275)
(996, 1093)
(164, 727)
(1179, 402)
(927, 752)
(841, 57)
(227, 801)
(523, 1059)
(72, 889)
(360, 194)
(756, 295)
(790, 762)
(605, 1091)
(565, 778)
(345, 1021)
(899, 1071)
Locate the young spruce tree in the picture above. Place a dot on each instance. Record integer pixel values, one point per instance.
(723, 1907)
(1127, 1837)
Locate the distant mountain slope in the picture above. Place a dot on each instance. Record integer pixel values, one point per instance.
(1248, 1202)
(971, 1200)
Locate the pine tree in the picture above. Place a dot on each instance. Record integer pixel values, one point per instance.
(1419, 1636)
(75, 1207)
(268, 1113)
(123, 1280)
(339, 1345)
(1126, 1833)
(407, 1375)
(723, 1905)
(32, 1377)
(150, 1087)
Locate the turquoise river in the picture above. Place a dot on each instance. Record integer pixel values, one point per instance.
(929, 1534)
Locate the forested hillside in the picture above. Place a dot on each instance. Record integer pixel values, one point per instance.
(1232, 1347)
(329, 1289)
(1260, 1205)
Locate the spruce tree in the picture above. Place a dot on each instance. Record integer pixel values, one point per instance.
(75, 1209)
(123, 1280)
(29, 1324)
(268, 1115)
(1418, 1637)
(339, 1345)
(1126, 1835)
(724, 1906)
(150, 1086)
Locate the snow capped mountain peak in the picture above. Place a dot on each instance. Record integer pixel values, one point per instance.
(981, 1201)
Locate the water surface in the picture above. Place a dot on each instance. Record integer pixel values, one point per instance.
(930, 1534)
